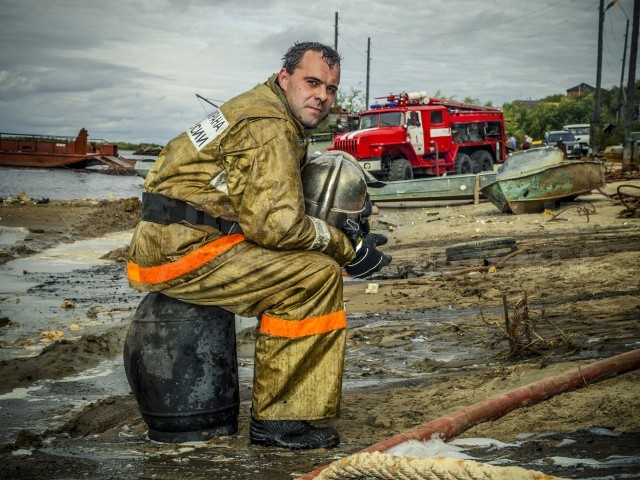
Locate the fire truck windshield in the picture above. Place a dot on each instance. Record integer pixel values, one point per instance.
(382, 119)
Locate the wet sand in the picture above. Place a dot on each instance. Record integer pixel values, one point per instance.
(428, 342)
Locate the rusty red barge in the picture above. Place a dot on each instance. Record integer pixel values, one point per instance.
(46, 151)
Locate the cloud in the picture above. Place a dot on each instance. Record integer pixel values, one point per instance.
(130, 70)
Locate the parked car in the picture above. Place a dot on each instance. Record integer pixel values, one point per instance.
(574, 148)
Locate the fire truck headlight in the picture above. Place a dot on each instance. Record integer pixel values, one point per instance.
(366, 165)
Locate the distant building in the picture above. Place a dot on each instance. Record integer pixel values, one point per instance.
(580, 90)
(528, 104)
(576, 91)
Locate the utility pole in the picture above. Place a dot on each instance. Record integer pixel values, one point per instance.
(621, 91)
(335, 40)
(366, 97)
(335, 46)
(631, 84)
(595, 123)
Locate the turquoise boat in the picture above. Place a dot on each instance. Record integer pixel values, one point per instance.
(533, 180)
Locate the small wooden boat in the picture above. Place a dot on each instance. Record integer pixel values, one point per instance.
(41, 151)
(143, 166)
(532, 180)
(454, 187)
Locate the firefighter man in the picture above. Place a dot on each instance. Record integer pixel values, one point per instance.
(224, 224)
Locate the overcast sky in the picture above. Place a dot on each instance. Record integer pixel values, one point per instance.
(130, 70)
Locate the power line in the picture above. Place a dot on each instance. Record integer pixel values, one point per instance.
(479, 29)
(356, 50)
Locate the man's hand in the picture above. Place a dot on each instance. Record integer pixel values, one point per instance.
(368, 259)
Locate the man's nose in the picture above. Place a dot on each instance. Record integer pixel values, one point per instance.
(322, 93)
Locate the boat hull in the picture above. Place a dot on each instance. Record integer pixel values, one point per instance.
(532, 192)
(454, 187)
(42, 151)
(48, 160)
(142, 167)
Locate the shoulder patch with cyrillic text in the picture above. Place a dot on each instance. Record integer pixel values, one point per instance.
(207, 130)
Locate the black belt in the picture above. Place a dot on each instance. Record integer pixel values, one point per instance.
(157, 208)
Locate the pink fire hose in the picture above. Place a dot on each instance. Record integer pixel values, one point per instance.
(465, 418)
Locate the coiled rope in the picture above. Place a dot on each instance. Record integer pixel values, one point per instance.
(385, 466)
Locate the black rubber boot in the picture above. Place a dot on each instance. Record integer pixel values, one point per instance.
(292, 434)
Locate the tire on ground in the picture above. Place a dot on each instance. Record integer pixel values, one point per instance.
(492, 247)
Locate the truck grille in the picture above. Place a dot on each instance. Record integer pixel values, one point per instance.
(349, 146)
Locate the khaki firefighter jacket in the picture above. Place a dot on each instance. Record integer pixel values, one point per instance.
(241, 163)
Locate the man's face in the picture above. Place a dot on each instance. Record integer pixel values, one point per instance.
(310, 89)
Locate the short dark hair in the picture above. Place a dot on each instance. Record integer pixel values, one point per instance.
(293, 57)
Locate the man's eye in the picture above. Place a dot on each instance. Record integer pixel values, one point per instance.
(332, 91)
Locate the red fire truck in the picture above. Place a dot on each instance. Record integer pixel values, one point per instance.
(411, 134)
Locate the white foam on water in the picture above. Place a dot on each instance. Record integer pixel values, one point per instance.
(455, 449)
(481, 442)
(20, 393)
(428, 449)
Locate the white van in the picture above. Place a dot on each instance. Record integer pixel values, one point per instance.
(580, 131)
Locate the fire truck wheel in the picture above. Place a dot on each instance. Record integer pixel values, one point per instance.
(482, 161)
(400, 169)
(491, 247)
(463, 164)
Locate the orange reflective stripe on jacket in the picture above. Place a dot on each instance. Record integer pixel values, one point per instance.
(303, 328)
(191, 261)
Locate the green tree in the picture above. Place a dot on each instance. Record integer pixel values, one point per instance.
(555, 111)
(350, 102)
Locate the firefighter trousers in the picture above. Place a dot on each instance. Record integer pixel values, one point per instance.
(300, 344)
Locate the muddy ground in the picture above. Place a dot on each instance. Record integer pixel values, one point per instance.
(425, 340)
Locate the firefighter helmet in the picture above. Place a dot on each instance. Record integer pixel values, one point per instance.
(335, 188)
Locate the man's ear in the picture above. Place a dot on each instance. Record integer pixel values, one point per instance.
(283, 79)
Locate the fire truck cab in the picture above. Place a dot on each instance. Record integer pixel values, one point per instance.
(411, 134)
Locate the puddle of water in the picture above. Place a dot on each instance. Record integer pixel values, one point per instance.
(48, 404)
(64, 289)
(9, 236)
(393, 347)
(66, 257)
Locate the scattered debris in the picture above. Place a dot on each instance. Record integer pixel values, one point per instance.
(68, 304)
(585, 209)
(522, 329)
(52, 335)
(372, 288)
(631, 201)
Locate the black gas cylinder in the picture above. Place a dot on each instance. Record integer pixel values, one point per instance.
(180, 360)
